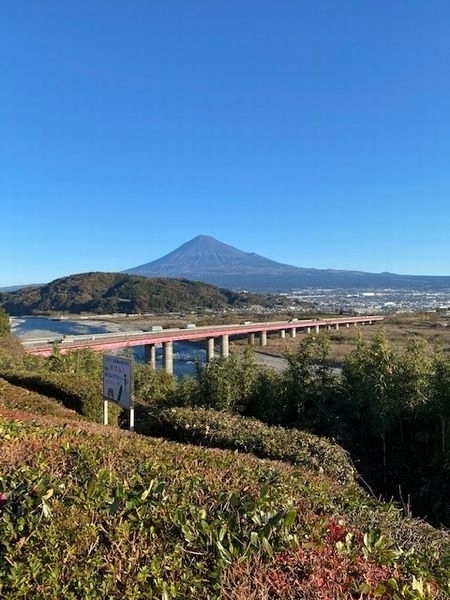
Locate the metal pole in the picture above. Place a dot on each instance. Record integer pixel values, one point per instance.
(105, 412)
(132, 414)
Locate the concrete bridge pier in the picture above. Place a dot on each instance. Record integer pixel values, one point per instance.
(317, 328)
(251, 339)
(225, 343)
(150, 355)
(168, 357)
(283, 334)
(308, 330)
(210, 350)
(337, 326)
(263, 338)
(293, 332)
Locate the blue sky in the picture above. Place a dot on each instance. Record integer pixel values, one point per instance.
(313, 133)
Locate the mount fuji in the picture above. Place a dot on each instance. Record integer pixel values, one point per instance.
(209, 260)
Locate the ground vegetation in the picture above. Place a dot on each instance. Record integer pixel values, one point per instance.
(238, 482)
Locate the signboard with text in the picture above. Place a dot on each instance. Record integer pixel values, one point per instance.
(118, 380)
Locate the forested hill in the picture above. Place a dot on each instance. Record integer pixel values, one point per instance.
(117, 292)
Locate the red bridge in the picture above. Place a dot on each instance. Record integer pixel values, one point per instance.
(105, 342)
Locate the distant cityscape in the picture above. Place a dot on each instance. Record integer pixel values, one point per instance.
(382, 301)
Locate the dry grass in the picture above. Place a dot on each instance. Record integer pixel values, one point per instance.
(433, 327)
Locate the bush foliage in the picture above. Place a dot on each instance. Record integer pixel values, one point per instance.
(94, 512)
(389, 407)
(211, 428)
(105, 514)
(82, 394)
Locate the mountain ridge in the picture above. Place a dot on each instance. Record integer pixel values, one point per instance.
(206, 259)
(99, 293)
(207, 254)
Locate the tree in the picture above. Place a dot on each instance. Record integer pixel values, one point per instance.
(309, 383)
(370, 379)
(412, 381)
(84, 362)
(153, 385)
(439, 403)
(265, 399)
(226, 383)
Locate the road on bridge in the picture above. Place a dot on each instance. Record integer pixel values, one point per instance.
(117, 340)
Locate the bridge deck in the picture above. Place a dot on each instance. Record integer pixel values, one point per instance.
(113, 341)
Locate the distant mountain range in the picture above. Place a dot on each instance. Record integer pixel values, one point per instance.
(206, 259)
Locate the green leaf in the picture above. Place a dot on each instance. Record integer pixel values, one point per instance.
(393, 583)
(48, 494)
(223, 552)
(145, 494)
(290, 518)
(46, 511)
(91, 487)
(159, 487)
(364, 588)
(268, 548)
(222, 532)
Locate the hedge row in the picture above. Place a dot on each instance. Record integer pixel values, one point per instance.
(221, 430)
(117, 517)
(22, 399)
(195, 425)
(80, 393)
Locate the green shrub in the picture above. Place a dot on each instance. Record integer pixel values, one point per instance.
(94, 513)
(13, 355)
(152, 385)
(222, 430)
(17, 398)
(5, 327)
(77, 392)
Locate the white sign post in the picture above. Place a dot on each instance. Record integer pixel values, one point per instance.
(118, 385)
